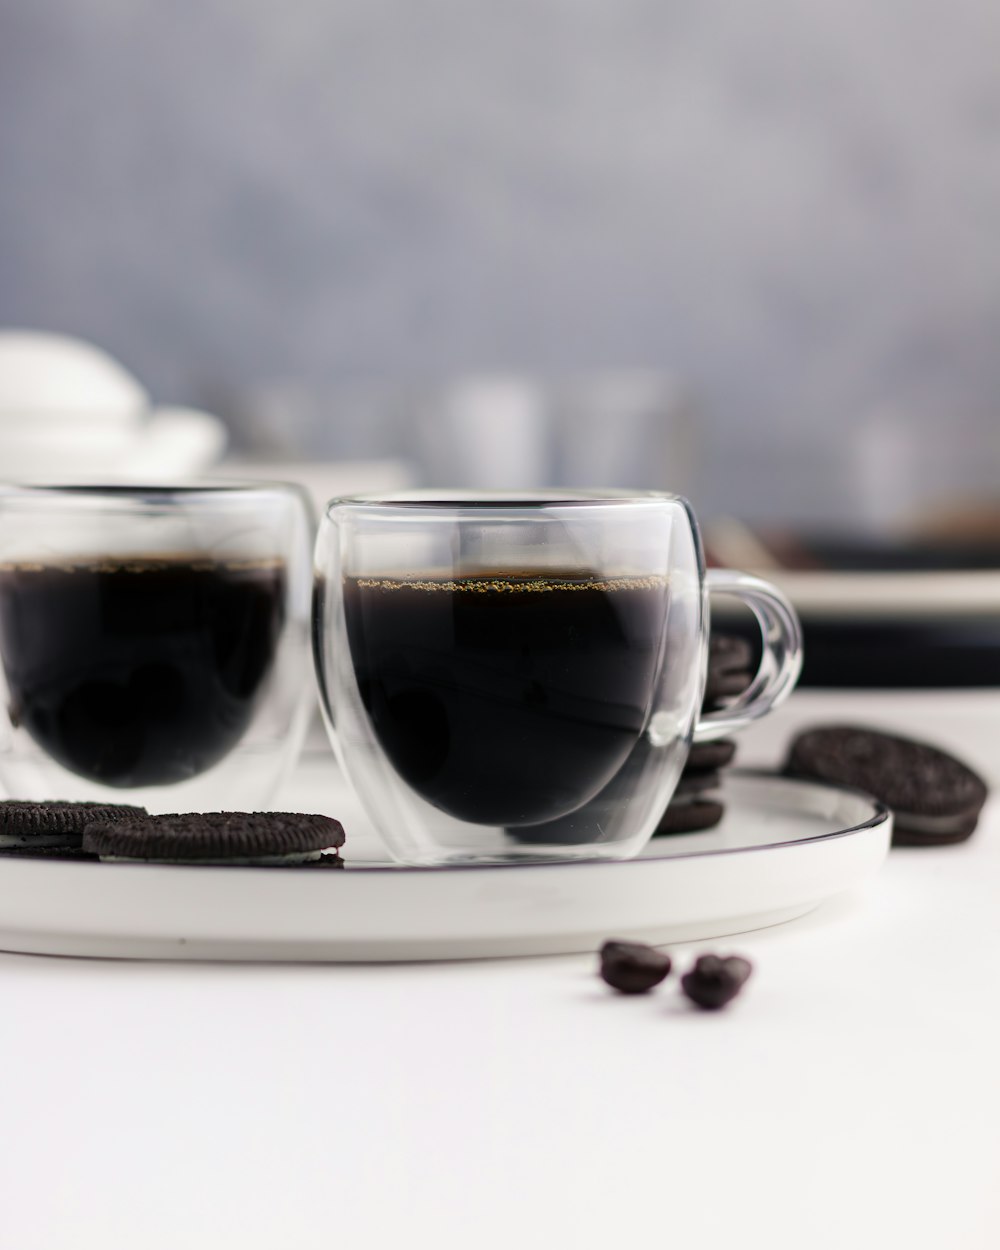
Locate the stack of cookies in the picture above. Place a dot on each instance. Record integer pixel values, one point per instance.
(130, 834)
(696, 803)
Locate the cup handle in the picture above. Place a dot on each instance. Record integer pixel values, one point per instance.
(781, 661)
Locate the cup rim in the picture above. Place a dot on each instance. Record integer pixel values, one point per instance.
(134, 492)
(450, 501)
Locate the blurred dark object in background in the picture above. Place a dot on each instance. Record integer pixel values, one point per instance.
(920, 610)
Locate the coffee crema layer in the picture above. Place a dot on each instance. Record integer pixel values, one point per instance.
(521, 584)
(135, 564)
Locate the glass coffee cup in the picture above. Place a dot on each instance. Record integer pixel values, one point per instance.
(518, 677)
(154, 642)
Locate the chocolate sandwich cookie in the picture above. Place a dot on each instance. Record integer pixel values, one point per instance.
(27, 827)
(689, 815)
(935, 799)
(710, 756)
(725, 686)
(73, 853)
(690, 809)
(329, 859)
(245, 838)
(694, 783)
(730, 670)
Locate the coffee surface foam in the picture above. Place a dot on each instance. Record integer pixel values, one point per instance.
(142, 564)
(514, 584)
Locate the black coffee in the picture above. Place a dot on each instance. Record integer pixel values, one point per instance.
(507, 699)
(140, 672)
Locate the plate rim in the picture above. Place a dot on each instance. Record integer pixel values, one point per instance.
(880, 815)
(246, 915)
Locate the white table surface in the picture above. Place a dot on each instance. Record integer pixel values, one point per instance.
(849, 1099)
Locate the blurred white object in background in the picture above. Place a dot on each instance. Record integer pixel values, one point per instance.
(60, 381)
(625, 429)
(912, 462)
(292, 419)
(487, 433)
(323, 480)
(70, 412)
(628, 430)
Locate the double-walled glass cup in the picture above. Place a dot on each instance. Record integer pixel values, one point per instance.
(519, 677)
(154, 643)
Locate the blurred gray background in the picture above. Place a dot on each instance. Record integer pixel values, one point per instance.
(790, 208)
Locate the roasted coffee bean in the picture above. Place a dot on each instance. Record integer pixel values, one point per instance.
(633, 967)
(714, 981)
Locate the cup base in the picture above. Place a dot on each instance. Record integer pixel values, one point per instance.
(535, 855)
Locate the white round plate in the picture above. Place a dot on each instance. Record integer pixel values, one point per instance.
(782, 848)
